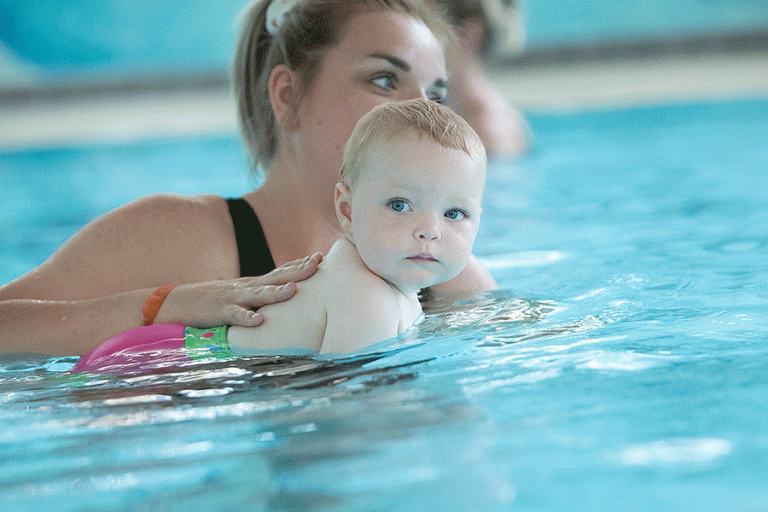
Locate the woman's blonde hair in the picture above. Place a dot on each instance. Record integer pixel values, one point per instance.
(428, 119)
(300, 42)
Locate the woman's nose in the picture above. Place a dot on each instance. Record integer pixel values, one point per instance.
(415, 92)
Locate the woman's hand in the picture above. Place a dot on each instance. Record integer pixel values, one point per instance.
(234, 301)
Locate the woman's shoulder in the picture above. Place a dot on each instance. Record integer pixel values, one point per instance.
(158, 215)
(165, 238)
(198, 229)
(177, 207)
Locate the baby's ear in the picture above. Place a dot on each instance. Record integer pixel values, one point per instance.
(343, 207)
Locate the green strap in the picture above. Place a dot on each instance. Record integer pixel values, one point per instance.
(206, 343)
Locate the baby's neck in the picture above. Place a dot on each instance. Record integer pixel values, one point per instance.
(408, 293)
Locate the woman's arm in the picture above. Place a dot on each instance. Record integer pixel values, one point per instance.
(474, 278)
(58, 327)
(94, 286)
(66, 327)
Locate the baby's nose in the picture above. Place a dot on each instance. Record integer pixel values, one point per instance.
(427, 229)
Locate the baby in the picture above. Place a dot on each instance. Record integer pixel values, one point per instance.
(412, 181)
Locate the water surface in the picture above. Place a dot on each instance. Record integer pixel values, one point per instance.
(621, 365)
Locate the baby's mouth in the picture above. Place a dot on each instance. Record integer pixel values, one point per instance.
(423, 258)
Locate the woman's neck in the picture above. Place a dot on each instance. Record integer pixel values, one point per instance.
(295, 219)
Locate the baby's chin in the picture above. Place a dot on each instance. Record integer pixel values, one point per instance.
(408, 286)
(411, 280)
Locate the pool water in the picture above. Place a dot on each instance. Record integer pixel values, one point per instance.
(621, 366)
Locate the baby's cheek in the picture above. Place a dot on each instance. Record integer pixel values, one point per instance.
(462, 255)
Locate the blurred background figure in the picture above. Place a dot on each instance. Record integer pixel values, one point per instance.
(488, 29)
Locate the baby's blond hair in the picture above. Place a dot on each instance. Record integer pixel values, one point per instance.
(427, 118)
(308, 30)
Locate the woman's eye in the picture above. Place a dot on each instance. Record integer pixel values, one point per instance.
(386, 81)
(437, 93)
(399, 205)
(455, 214)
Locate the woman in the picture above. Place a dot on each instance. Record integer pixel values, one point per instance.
(303, 78)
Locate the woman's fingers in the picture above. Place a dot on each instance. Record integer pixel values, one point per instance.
(264, 295)
(243, 311)
(235, 302)
(296, 270)
(236, 315)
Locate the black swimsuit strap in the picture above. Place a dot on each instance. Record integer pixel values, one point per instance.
(252, 248)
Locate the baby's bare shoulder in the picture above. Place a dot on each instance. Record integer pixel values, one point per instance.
(344, 274)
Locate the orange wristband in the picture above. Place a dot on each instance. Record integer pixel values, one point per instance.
(154, 302)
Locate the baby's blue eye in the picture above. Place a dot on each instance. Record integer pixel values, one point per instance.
(455, 214)
(399, 205)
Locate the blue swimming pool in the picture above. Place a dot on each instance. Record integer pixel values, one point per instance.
(96, 39)
(622, 365)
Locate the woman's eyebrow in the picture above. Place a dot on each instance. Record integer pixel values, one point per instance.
(395, 61)
(400, 63)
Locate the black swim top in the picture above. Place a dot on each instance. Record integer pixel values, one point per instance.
(252, 248)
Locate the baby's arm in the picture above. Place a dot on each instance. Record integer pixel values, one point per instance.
(367, 313)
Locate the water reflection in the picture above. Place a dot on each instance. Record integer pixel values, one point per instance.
(285, 421)
(497, 310)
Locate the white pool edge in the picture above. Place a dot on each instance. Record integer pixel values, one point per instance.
(124, 116)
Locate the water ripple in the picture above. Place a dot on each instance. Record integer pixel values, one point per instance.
(524, 259)
(677, 451)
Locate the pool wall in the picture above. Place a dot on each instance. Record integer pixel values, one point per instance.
(119, 38)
